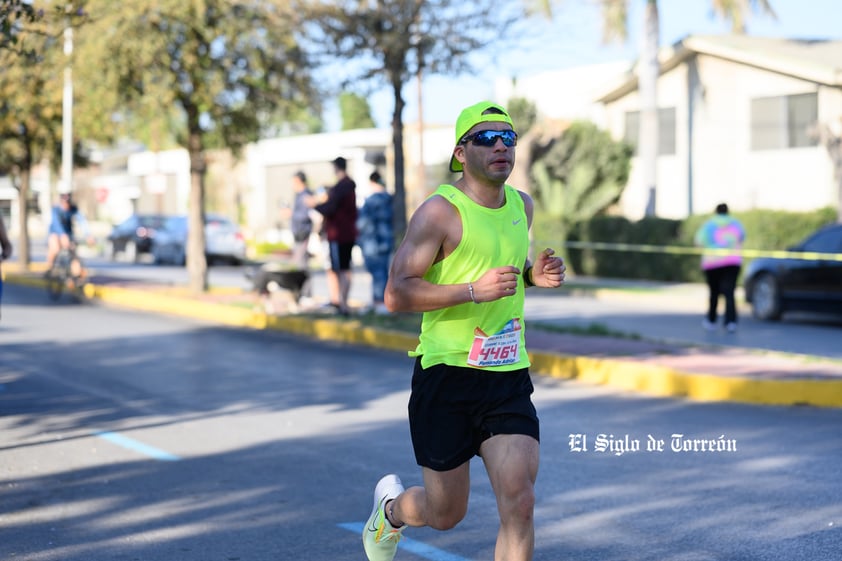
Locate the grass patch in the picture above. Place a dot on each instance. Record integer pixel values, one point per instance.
(592, 330)
(407, 322)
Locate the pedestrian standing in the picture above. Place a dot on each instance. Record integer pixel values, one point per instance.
(339, 209)
(376, 238)
(301, 225)
(464, 264)
(725, 235)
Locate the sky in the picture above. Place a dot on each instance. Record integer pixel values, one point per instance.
(573, 38)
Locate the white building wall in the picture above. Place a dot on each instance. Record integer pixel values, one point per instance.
(724, 167)
(727, 169)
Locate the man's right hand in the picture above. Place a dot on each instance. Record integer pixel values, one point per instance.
(496, 283)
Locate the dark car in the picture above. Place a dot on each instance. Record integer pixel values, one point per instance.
(774, 286)
(134, 236)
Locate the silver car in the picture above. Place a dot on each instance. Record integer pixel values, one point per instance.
(224, 241)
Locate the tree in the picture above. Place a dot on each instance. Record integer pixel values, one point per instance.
(579, 174)
(231, 69)
(14, 15)
(394, 40)
(31, 101)
(355, 112)
(615, 27)
(29, 124)
(523, 112)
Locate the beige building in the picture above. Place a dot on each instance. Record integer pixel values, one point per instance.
(738, 121)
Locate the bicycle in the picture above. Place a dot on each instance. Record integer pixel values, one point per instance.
(67, 273)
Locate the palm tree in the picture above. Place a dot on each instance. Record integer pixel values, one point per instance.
(615, 28)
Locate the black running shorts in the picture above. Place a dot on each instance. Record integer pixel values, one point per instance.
(453, 410)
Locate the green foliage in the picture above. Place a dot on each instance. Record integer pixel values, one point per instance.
(579, 175)
(523, 112)
(31, 101)
(355, 112)
(226, 71)
(13, 15)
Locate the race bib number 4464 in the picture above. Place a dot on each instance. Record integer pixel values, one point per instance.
(496, 350)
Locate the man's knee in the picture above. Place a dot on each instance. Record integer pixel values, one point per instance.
(517, 500)
(447, 518)
(524, 504)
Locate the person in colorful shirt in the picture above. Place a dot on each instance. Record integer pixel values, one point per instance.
(725, 234)
(464, 264)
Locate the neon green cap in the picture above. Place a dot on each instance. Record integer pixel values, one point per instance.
(482, 112)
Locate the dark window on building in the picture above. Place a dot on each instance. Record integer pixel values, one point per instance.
(666, 130)
(783, 121)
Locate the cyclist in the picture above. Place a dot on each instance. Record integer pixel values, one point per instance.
(61, 235)
(5, 250)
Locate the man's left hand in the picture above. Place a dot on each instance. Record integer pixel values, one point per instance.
(548, 270)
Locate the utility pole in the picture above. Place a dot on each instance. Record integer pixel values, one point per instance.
(422, 176)
(67, 111)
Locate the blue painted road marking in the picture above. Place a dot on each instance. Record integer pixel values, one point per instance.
(137, 446)
(418, 548)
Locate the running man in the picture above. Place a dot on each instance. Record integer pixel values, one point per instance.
(464, 263)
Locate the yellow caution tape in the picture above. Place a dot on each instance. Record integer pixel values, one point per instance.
(681, 250)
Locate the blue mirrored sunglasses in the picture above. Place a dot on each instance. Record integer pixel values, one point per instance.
(489, 138)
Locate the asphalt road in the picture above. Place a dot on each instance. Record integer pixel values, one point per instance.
(127, 436)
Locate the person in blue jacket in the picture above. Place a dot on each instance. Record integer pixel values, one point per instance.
(376, 238)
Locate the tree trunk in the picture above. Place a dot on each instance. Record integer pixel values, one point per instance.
(24, 258)
(197, 265)
(399, 200)
(648, 80)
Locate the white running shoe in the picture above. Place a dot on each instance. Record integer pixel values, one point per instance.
(380, 539)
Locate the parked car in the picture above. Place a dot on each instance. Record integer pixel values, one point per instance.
(774, 286)
(224, 241)
(134, 236)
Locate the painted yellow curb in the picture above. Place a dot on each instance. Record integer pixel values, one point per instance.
(667, 382)
(351, 332)
(628, 375)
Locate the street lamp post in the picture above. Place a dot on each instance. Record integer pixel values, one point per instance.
(67, 114)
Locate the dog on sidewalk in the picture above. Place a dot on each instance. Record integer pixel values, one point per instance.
(281, 287)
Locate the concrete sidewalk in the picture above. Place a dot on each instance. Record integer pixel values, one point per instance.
(697, 372)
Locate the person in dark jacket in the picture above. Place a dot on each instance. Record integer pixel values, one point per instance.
(339, 209)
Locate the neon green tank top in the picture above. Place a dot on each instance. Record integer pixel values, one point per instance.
(489, 335)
